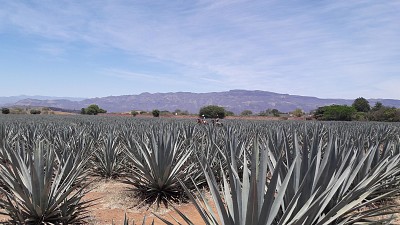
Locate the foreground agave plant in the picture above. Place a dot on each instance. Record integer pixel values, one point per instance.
(311, 185)
(108, 158)
(39, 190)
(158, 160)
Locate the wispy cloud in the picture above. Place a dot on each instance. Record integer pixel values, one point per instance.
(51, 49)
(129, 75)
(310, 48)
(150, 79)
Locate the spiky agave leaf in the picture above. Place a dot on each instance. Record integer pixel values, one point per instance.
(158, 160)
(41, 190)
(108, 158)
(240, 202)
(331, 179)
(76, 149)
(287, 198)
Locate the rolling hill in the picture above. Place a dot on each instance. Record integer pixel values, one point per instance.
(233, 100)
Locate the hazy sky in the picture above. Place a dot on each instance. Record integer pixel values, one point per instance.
(96, 48)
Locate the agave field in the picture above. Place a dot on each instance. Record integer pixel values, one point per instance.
(244, 173)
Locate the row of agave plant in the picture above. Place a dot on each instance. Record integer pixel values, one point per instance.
(256, 172)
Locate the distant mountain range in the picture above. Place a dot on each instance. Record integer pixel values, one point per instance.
(234, 100)
(13, 99)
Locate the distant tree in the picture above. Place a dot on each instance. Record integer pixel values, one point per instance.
(229, 113)
(83, 111)
(134, 113)
(246, 113)
(93, 110)
(377, 106)
(360, 116)
(262, 113)
(35, 111)
(384, 114)
(275, 112)
(361, 105)
(270, 112)
(298, 112)
(212, 111)
(5, 110)
(335, 112)
(156, 113)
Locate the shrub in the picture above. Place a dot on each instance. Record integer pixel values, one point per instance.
(134, 113)
(298, 112)
(270, 112)
(35, 111)
(335, 112)
(385, 114)
(229, 113)
(275, 112)
(92, 110)
(5, 110)
(156, 113)
(246, 113)
(360, 116)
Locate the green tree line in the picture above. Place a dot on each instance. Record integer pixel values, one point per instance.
(359, 110)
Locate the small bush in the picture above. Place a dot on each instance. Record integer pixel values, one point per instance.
(298, 113)
(5, 110)
(335, 112)
(134, 113)
(35, 111)
(156, 113)
(93, 110)
(246, 113)
(270, 112)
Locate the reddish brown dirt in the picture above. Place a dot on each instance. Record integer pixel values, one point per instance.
(115, 199)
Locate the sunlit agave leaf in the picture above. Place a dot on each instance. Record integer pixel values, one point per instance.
(37, 191)
(159, 159)
(318, 196)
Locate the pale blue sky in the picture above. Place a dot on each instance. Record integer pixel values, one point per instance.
(96, 48)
